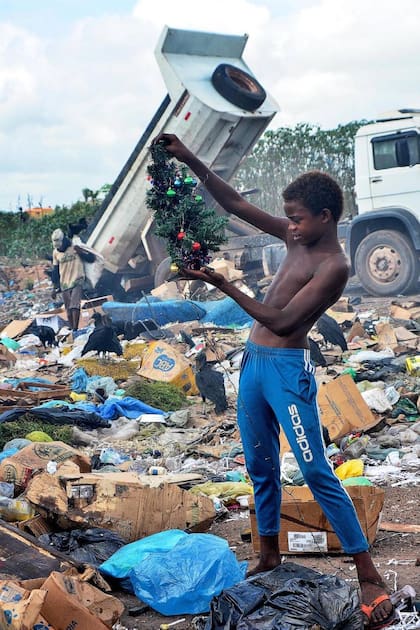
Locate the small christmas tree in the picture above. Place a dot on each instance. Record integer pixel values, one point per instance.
(190, 229)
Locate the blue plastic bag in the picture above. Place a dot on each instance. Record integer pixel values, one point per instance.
(125, 559)
(184, 579)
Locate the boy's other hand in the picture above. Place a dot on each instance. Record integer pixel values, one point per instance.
(207, 274)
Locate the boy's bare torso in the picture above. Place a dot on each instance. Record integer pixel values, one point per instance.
(298, 269)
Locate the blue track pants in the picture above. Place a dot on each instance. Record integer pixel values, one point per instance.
(277, 389)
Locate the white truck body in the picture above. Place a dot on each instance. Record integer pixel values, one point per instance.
(384, 239)
(220, 132)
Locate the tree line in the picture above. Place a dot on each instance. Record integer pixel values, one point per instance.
(281, 155)
(277, 158)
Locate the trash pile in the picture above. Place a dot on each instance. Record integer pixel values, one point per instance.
(109, 461)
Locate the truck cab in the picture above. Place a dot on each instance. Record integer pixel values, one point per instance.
(384, 239)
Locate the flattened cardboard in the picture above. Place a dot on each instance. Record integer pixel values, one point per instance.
(23, 557)
(386, 336)
(15, 328)
(119, 502)
(305, 529)
(342, 409)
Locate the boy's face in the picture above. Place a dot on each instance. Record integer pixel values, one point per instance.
(305, 227)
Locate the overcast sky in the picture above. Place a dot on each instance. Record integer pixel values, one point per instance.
(79, 81)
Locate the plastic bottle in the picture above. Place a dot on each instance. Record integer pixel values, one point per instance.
(218, 503)
(15, 509)
(157, 470)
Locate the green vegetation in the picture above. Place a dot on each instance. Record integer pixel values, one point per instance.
(28, 423)
(283, 154)
(162, 396)
(31, 238)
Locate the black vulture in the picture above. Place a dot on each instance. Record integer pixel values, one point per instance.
(45, 334)
(331, 331)
(74, 229)
(210, 384)
(186, 338)
(316, 355)
(103, 338)
(146, 327)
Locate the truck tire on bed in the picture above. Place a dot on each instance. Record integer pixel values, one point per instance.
(238, 87)
(385, 263)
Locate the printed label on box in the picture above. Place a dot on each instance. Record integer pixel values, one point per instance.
(307, 542)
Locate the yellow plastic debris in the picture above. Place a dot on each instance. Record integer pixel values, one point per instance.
(77, 397)
(351, 468)
(38, 436)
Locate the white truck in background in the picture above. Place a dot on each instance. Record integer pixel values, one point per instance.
(220, 110)
(383, 240)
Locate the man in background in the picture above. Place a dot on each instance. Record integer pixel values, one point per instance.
(68, 274)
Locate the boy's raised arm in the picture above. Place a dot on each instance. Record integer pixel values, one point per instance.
(222, 192)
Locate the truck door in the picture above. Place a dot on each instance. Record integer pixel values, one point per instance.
(395, 170)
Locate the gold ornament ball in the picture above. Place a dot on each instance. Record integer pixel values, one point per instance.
(174, 268)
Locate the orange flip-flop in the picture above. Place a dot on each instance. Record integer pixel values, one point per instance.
(367, 609)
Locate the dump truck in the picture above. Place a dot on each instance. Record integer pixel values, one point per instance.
(383, 240)
(214, 104)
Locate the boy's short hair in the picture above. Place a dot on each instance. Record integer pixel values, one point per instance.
(316, 191)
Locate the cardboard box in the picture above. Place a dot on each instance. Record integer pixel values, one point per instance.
(162, 362)
(342, 409)
(119, 502)
(305, 529)
(71, 603)
(60, 602)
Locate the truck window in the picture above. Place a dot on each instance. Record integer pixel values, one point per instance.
(385, 150)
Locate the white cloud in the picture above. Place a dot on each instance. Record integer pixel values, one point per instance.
(73, 106)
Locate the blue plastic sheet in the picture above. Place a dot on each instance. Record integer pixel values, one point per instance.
(8, 453)
(225, 312)
(79, 381)
(111, 409)
(184, 578)
(33, 388)
(163, 312)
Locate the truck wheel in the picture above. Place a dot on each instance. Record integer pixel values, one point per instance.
(386, 263)
(238, 87)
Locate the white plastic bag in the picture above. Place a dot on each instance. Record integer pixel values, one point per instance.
(93, 270)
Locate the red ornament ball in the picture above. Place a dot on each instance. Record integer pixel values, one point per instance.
(196, 246)
(180, 236)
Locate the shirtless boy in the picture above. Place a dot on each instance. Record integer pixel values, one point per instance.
(277, 386)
